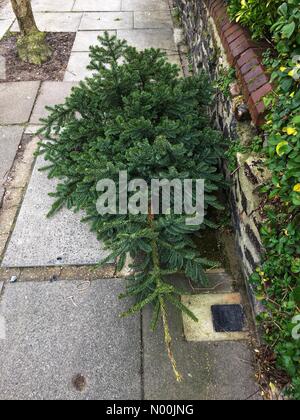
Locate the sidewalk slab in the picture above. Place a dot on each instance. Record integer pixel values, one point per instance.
(10, 138)
(85, 39)
(50, 339)
(149, 38)
(4, 26)
(55, 22)
(52, 5)
(61, 240)
(211, 371)
(17, 99)
(153, 20)
(97, 6)
(7, 12)
(201, 306)
(51, 94)
(142, 5)
(77, 67)
(106, 21)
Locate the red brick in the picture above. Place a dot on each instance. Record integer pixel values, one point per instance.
(257, 83)
(226, 25)
(224, 37)
(242, 39)
(235, 27)
(254, 62)
(258, 113)
(254, 73)
(219, 10)
(245, 54)
(240, 49)
(235, 35)
(259, 94)
(219, 13)
(246, 57)
(214, 5)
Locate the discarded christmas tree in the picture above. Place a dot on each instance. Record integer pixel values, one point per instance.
(136, 115)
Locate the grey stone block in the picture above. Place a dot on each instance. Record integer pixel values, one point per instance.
(97, 6)
(150, 38)
(17, 99)
(4, 26)
(52, 5)
(50, 339)
(106, 21)
(7, 12)
(10, 138)
(51, 93)
(85, 39)
(211, 371)
(152, 20)
(77, 67)
(39, 241)
(142, 5)
(55, 22)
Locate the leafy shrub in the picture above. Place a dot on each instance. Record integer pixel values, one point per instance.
(135, 114)
(277, 281)
(286, 28)
(259, 16)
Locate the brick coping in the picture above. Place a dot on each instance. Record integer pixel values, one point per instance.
(245, 55)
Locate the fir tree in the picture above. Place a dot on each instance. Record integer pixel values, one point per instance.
(136, 114)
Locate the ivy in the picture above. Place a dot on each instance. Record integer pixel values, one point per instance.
(277, 281)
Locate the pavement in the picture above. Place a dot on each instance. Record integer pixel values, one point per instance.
(61, 336)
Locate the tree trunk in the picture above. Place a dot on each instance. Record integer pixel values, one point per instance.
(32, 46)
(24, 15)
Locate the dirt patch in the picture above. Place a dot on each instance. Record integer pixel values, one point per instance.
(79, 382)
(61, 44)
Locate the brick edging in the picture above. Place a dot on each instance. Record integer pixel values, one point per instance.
(246, 55)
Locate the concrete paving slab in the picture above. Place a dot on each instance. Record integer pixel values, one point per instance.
(17, 99)
(32, 129)
(201, 306)
(10, 138)
(55, 22)
(7, 12)
(142, 5)
(51, 339)
(153, 20)
(149, 38)
(97, 5)
(2, 69)
(61, 240)
(52, 5)
(106, 21)
(84, 39)
(4, 26)
(211, 371)
(51, 93)
(77, 67)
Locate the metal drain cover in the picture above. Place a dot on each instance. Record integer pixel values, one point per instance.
(228, 318)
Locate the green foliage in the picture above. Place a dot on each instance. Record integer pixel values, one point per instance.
(286, 28)
(231, 155)
(278, 281)
(237, 147)
(136, 114)
(224, 80)
(259, 16)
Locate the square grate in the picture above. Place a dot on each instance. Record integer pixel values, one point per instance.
(228, 318)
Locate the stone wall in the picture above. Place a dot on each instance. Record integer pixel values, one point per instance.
(217, 45)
